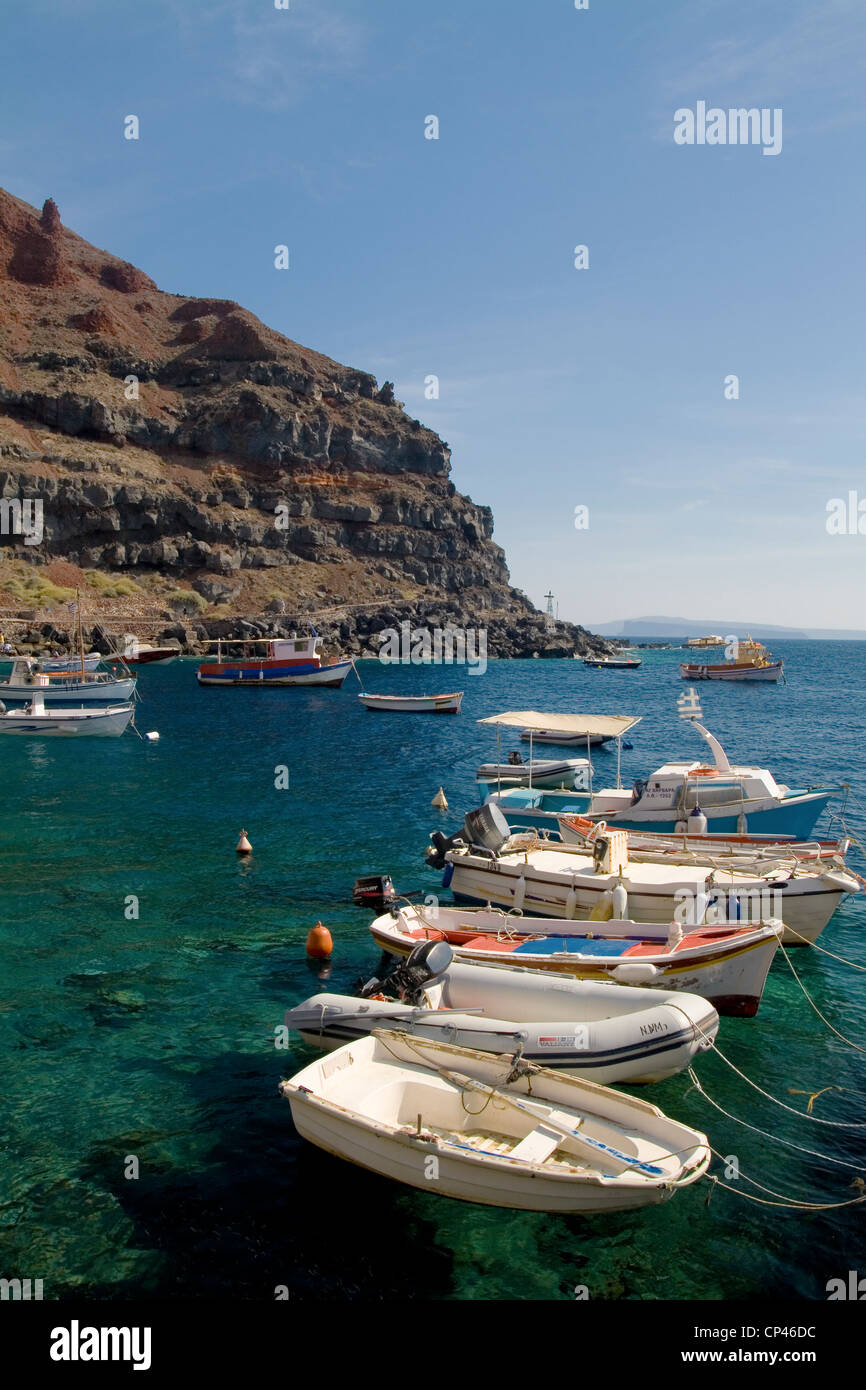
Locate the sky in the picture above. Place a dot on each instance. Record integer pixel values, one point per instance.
(602, 387)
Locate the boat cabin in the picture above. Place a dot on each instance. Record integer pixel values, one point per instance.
(681, 786)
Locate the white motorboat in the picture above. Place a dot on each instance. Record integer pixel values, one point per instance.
(108, 721)
(465, 1124)
(732, 799)
(414, 704)
(70, 687)
(726, 964)
(136, 653)
(486, 864)
(573, 773)
(603, 1031)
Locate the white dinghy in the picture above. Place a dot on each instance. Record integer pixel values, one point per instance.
(492, 1130)
(602, 1031)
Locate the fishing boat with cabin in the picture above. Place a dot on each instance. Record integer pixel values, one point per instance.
(750, 662)
(293, 660)
(679, 797)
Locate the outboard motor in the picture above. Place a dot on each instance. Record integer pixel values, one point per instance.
(408, 982)
(375, 892)
(439, 847)
(486, 827)
(515, 759)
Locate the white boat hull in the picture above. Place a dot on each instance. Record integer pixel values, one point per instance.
(805, 904)
(727, 966)
(97, 723)
(384, 1103)
(414, 704)
(65, 690)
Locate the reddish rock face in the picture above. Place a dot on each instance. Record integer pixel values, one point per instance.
(203, 426)
(126, 278)
(50, 219)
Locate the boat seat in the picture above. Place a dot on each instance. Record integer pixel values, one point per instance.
(541, 1142)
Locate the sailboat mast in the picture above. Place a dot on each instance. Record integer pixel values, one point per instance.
(80, 633)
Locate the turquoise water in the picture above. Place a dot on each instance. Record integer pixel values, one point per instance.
(153, 1038)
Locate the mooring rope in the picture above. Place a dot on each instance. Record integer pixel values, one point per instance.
(775, 1138)
(811, 1001)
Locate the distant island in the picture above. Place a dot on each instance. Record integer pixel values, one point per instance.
(693, 627)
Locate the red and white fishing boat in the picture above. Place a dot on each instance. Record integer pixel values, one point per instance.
(726, 964)
(414, 704)
(286, 661)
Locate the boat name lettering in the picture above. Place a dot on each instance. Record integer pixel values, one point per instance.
(647, 1029)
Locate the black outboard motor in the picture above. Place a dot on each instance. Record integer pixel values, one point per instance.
(439, 847)
(486, 827)
(423, 967)
(375, 892)
(515, 759)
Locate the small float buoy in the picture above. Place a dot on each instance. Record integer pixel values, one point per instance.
(440, 801)
(620, 901)
(243, 845)
(319, 942)
(153, 736)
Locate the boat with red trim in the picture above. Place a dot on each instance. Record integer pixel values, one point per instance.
(293, 660)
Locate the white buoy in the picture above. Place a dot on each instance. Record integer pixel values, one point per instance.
(243, 845)
(571, 903)
(697, 822)
(620, 902)
(153, 736)
(440, 801)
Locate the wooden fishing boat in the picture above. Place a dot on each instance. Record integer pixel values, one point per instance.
(605, 1032)
(613, 663)
(285, 661)
(464, 1124)
(69, 687)
(726, 964)
(102, 721)
(414, 704)
(570, 882)
(752, 662)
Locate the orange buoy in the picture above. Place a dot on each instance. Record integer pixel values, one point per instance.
(319, 942)
(243, 845)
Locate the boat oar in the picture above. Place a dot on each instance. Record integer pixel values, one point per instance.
(540, 1112)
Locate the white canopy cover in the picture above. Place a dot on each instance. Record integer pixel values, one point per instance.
(606, 725)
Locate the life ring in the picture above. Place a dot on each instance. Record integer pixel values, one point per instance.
(704, 772)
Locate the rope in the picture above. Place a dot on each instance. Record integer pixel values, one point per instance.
(804, 1114)
(811, 1001)
(823, 949)
(789, 1203)
(776, 1139)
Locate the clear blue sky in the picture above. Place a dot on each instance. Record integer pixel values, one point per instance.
(601, 387)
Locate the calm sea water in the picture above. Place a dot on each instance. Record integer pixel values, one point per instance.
(153, 1038)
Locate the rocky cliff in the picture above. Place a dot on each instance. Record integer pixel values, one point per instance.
(199, 473)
